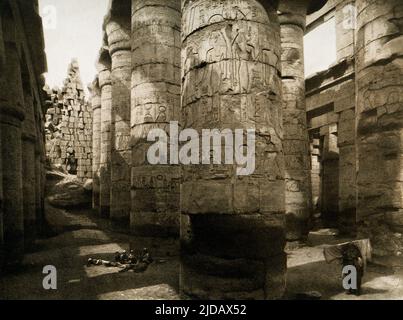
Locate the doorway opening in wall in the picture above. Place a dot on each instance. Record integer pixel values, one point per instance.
(320, 45)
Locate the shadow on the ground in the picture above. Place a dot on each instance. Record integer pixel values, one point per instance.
(74, 236)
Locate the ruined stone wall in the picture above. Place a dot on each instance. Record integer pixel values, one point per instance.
(69, 126)
(331, 117)
(22, 63)
(331, 121)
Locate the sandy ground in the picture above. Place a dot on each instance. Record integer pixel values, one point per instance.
(85, 236)
(80, 234)
(308, 271)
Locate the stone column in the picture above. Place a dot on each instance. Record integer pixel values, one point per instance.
(96, 140)
(1, 199)
(38, 182)
(330, 175)
(232, 227)
(155, 102)
(11, 117)
(39, 201)
(106, 119)
(347, 167)
(2, 102)
(379, 125)
(298, 193)
(315, 172)
(117, 26)
(43, 167)
(28, 167)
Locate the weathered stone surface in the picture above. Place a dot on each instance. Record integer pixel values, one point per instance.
(104, 74)
(230, 79)
(331, 117)
(12, 115)
(330, 176)
(70, 193)
(298, 195)
(22, 62)
(2, 101)
(347, 172)
(39, 174)
(379, 67)
(96, 140)
(69, 126)
(29, 139)
(117, 27)
(156, 26)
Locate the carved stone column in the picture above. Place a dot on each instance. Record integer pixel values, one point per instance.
(2, 102)
(11, 117)
(28, 166)
(330, 176)
(96, 140)
(379, 85)
(117, 26)
(232, 227)
(1, 202)
(39, 209)
(298, 194)
(105, 85)
(41, 166)
(155, 102)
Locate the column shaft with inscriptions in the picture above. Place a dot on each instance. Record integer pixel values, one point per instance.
(117, 27)
(298, 195)
(104, 74)
(96, 140)
(155, 102)
(232, 227)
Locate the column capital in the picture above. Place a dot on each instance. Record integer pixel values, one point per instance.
(117, 26)
(295, 12)
(104, 67)
(95, 91)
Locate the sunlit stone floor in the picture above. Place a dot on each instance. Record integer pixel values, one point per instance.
(81, 234)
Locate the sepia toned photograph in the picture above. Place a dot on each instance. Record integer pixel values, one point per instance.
(201, 150)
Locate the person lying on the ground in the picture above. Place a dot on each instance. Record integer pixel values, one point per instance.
(125, 261)
(100, 262)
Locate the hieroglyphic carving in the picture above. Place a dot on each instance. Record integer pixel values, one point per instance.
(155, 102)
(230, 80)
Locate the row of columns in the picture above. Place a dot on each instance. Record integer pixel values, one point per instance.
(21, 140)
(223, 73)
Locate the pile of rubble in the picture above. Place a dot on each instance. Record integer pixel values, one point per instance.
(69, 126)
